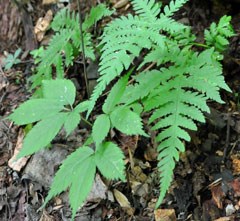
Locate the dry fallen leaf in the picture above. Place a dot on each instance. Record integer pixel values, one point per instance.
(123, 201)
(236, 164)
(42, 25)
(48, 2)
(165, 215)
(223, 219)
(17, 165)
(218, 195)
(120, 3)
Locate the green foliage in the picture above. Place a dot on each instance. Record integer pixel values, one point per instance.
(172, 85)
(50, 112)
(77, 172)
(219, 33)
(65, 44)
(12, 59)
(109, 160)
(175, 91)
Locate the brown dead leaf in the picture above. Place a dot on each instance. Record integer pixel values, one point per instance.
(42, 25)
(235, 184)
(218, 195)
(165, 215)
(46, 217)
(223, 219)
(236, 164)
(48, 2)
(120, 3)
(17, 165)
(137, 174)
(123, 201)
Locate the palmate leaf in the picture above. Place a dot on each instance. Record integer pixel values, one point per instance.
(127, 121)
(76, 172)
(101, 128)
(61, 90)
(71, 122)
(42, 134)
(34, 110)
(109, 160)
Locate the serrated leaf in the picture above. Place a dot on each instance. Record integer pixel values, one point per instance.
(61, 90)
(127, 121)
(81, 107)
(42, 134)
(115, 95)
(34, 110)
(82, 184)
(109, 160)
(100, 128)
(76, 172)
(73, 119)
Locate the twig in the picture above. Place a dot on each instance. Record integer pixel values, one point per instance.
(83, 49)
(227, 136)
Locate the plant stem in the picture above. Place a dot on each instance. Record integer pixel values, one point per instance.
(83, 49)
(86, 121)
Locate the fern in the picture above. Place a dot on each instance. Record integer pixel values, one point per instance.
(176, 95)
(65, 45)
(124, 39)
(174, 91)
(219, 33)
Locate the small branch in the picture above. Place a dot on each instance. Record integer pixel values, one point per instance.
(83, 49)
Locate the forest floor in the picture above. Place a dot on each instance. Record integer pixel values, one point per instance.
(206, 183)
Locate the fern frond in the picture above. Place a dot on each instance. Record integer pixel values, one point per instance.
(172, 7)
(64, 19)
(66, 43)
(95, 15)
(147, 9)
(122, 40)
(219, 33)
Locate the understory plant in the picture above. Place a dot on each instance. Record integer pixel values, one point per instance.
(174, 79)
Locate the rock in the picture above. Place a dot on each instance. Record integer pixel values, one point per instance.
(44, 164)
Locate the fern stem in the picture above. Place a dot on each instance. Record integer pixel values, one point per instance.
(200, 45)
(86, 121)
(83, 49)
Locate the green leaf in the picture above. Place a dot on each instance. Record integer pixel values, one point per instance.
(100, 128)
(115, 95)
(109, 160)
(34, 110)
(95, 15)
(76, 172)
(73, 119)
(82, 183)
(81, 107)
(42, 134)
(127, 121)
(61, 90)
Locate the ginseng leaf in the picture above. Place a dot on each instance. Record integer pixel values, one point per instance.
(61, 90)
(101, 128)
(35, 110)
(73, 119)
(127, 121)
(76, 172)
(42, 134)
(109, 160)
